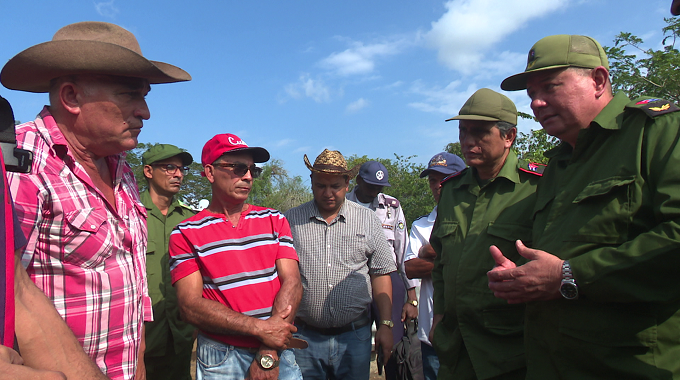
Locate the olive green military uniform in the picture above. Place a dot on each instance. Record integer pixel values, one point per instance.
(480, 336)
(611, 206)
(169, 341)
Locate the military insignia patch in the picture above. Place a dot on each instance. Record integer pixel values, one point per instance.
(654, 107)
(531, 58)
(531, 167)
(400, 225)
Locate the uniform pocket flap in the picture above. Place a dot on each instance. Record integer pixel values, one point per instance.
(150, 247)
(444, 229)
(509, 232)
(602, 187)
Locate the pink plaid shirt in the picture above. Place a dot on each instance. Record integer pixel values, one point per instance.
(88, 258)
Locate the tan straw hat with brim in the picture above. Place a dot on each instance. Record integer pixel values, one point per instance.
(88, 47)
(331, 162)
(488, 105)
(556, 52)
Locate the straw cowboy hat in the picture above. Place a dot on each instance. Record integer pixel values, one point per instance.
(331, 162)
(85, 47)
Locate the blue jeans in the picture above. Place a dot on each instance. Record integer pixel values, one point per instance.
(343, 357)
(216, 360)
(430, 361)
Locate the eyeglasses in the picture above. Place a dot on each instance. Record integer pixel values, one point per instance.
(241, 169)
(172, 169)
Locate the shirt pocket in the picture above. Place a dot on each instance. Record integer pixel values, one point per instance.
(504, 236)
(355, 248)
(85, 237)
(605, 206)
(445, 232)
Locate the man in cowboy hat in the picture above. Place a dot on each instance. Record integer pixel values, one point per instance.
(344, 259)
(602, 281)
(169, 340)
(236, 273)
(46, 343)
(79, 205)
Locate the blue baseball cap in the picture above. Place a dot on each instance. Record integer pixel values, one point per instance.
(444, 162)
(374, 173)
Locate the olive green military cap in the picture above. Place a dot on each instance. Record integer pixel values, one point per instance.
(488, 105)
(558, 51)
(162, 151)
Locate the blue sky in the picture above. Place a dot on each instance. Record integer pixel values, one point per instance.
(364, 77)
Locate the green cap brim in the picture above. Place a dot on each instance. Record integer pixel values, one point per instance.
(474, 117)
(519, 81)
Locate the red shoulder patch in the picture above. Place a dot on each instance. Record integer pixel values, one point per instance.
(534, 168)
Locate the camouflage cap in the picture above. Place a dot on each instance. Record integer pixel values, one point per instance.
(162, 151)
(488, 105)
(558, 51)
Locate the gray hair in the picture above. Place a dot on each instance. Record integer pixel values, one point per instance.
(504, 127)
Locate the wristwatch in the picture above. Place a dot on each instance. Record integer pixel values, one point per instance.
(387, 323)
(568, 288)
(266, 361)
(413, 302)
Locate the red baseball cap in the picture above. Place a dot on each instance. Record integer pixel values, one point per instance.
(228, 143)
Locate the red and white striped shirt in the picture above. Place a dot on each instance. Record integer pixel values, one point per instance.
(238, 264)
(88, 258)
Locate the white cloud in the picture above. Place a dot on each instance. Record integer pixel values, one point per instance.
(469, 28)
(284, 142)
(356, 105)
(446, 101)
(360, 59)
(106, 8)
(308, 87)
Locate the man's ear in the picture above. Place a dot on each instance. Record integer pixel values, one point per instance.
(209, 171)
(147, 171)
(600, 77)
(510, 137)
(70, 97)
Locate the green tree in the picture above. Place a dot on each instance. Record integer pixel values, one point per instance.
(639, 71)
(412, 191)
(276, 189)
(454, 148)
(531, 146)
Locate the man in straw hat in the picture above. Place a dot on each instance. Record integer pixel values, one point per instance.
(79, 206)
(344, 259)
(602, 285)
(236, 273)
(46, 343)
(476, 335)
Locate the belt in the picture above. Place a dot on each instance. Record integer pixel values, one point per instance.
(362, 321)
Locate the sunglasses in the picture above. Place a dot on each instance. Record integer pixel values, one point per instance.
(172, 169)
(241, 169)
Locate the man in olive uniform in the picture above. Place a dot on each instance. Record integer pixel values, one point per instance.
(169, 341)
(602, 285)
(476, 335)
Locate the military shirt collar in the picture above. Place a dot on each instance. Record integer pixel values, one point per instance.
(606, 119)
(151, 208)
(508, 171)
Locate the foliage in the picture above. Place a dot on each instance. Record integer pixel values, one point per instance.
(454, 148)
(276, 189)
(531, 146)
(412, 191)
(646, 71)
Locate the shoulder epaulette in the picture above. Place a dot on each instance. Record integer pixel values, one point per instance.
(531, 167)
(391, 201)
(653, 107)
(182, 204)
(454, 175)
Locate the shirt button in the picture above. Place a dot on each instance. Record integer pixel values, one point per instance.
(92, 226)
(330, 286)
(329, 264)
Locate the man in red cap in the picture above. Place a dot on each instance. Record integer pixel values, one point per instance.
(79, 205)
(236, 272)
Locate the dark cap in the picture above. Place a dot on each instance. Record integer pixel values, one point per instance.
(228, 143)
(675, 7)
(160, 152)
(559, 51)
(374, 173)
(488, 105)
(445, 163)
